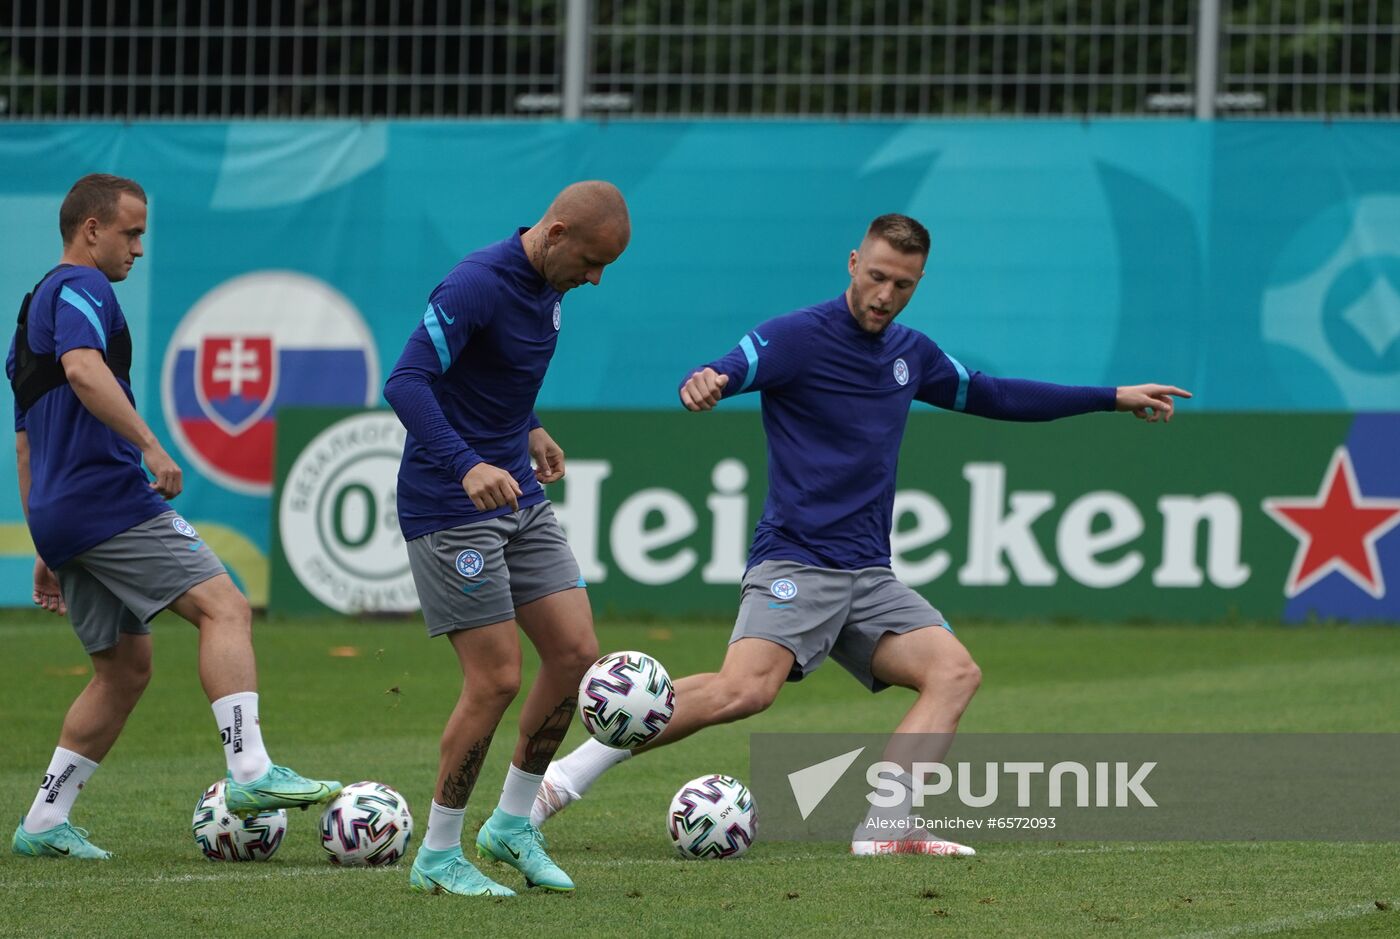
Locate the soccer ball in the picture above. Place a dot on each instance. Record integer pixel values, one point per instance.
(626, 699)
(223, 836)
(712, 817)
(368, 824)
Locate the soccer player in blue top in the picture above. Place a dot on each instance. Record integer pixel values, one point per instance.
(119, 553)
(836, 381)
(485, 548)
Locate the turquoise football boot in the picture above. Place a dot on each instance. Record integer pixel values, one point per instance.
(449, 872)
(59, 841)
(514, 841)
(278, 788)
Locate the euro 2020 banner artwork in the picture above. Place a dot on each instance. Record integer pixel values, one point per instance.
(1256, 263)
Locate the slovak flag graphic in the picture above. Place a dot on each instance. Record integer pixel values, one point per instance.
(237, 380)
(250, 346)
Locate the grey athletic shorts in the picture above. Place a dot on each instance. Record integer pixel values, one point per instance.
(120, 585)
(477, 574)
(814, 612)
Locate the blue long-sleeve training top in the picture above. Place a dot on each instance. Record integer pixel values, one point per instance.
(466, 383)
(835, 401)
(86, 481)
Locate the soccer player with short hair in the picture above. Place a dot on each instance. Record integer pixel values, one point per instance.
(836, 382)
(111, 552)
(486, 551)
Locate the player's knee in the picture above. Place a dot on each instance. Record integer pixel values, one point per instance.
(961, 675)
(141, 675)
(746, 702)
(495, 686)
(234, 607)
(128, 680)
(575, 657)
(136, 684)
(230, 615)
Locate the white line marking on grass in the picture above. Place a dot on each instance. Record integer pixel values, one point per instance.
(680, 862)
(1101, 849)
(230, 873)
(1283, 923)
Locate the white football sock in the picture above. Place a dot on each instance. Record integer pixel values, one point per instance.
(67, 773)
(237, 718)
(518, 793)
(889, 824)
(444, 827)
(590, 760)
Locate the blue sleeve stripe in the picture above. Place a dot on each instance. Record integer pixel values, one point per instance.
(70, 297)
(751, 354)
(960, 402)
(434, 328)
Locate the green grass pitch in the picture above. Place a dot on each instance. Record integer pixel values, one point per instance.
(377, 716)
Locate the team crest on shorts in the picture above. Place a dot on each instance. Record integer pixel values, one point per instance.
(558, 311)
(783, 589)
(470, 563)
(183, 527)
(901, 371)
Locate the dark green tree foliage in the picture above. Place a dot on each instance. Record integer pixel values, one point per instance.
(399, 58)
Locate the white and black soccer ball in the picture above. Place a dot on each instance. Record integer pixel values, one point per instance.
(367, 825)
(625, 700)
(712, 817)
(223, 836)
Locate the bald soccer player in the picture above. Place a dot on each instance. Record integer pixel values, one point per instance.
(488, 556)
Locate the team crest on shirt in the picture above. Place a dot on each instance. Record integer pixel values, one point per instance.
(901, 371)
(183, 527)
(470, 563)
(784, 589)
(558, 314)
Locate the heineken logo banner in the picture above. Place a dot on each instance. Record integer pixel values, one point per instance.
(1213, 517)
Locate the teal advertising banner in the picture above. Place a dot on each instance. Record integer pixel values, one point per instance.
(1256, 263)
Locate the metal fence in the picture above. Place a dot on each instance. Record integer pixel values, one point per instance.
(892, 59)
(1304, 58)
(221, 59)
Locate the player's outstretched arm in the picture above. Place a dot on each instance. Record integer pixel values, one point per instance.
(96, 387)
(548, 456)
(1150, 403)
(702, 391)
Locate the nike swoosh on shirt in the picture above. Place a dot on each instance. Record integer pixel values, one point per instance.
(761, 340)
(442, 314)
(469, 588)
(778, 606)
(91, 297)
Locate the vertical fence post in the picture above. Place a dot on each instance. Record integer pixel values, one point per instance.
(1207, 59)
(575, 58)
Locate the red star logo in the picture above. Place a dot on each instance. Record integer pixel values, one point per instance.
(1336, 530)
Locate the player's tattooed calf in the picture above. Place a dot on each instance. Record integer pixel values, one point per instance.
(458, 785)
(541, 745)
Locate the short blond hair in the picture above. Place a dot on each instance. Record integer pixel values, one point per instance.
(903, 233)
